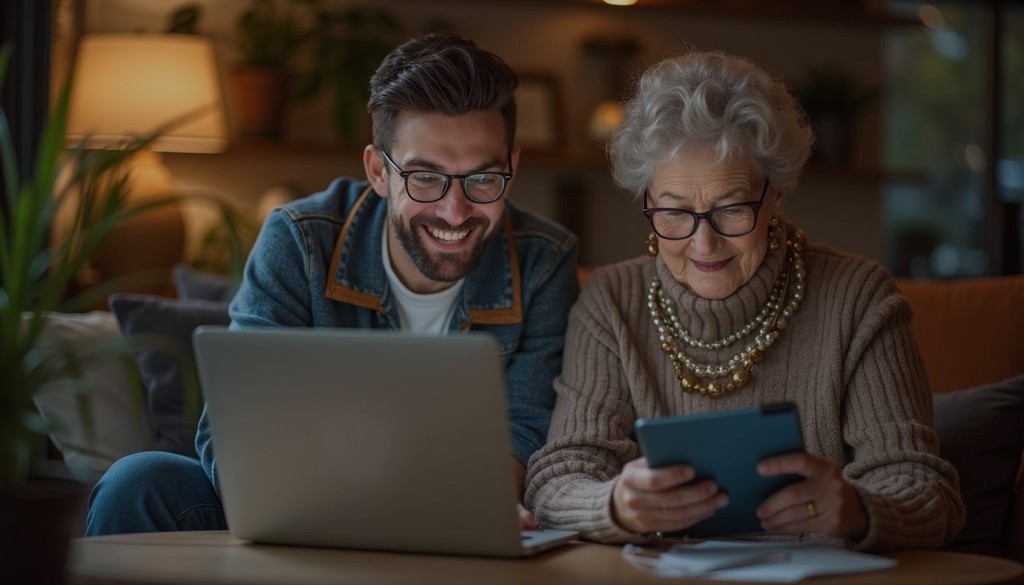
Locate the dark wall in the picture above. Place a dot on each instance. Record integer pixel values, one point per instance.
(25, 27)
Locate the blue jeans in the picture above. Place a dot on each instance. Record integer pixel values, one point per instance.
(154, 492)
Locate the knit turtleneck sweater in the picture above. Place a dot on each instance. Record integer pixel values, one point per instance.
(847, 359)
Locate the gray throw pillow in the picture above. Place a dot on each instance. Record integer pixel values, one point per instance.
(981, 432)
(115, 399)
(194, 284)
(162, 329)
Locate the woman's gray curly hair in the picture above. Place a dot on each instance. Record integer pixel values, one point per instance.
(710, 99)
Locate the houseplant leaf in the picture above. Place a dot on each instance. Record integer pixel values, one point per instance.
(38, 276)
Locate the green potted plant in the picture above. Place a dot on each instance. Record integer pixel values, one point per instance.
(38, 514)
(347, 47)
(834, 99)
(35, 514)
(270, 36)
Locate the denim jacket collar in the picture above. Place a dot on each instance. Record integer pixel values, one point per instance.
(492, 293)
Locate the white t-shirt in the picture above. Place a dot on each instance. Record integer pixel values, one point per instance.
(421, 313)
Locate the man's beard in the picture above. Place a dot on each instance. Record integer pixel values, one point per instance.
(440, 266)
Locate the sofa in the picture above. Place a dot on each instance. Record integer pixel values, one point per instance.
(139, 373)
(970, 333)
(971, 337)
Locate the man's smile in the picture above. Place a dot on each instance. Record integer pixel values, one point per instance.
(447, 235)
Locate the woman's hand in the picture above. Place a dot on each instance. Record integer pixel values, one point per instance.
(823, 503)
(526, 519)
(662, 500)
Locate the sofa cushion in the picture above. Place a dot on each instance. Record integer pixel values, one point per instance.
(193, 284)
(116, 401)
(162, 329)
(981, 432)
(970, 331)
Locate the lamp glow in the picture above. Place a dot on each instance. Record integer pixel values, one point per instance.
(128, 85)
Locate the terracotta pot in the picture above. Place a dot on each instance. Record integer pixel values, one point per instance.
(37, 522)
(260, 96)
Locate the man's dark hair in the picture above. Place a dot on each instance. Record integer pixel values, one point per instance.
(440, 74)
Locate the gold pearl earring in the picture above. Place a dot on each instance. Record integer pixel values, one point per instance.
(652, 245)
(773, 235)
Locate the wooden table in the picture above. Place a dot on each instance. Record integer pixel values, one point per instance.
(199, 558)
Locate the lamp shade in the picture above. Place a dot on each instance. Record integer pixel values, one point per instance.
(128, 85)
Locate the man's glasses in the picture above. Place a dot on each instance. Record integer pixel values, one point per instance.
(737, 219)
(430, 186)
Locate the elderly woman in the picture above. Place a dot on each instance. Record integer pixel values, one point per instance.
(734, 309)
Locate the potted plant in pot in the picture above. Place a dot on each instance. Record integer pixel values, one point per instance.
(347, 47)
(38, 515)
(270, 38)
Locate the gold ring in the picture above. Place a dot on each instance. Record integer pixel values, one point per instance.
(811, 510)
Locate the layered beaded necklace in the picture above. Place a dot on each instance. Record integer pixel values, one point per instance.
(717, 380)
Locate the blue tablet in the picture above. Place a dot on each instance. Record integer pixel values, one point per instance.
(726, 446)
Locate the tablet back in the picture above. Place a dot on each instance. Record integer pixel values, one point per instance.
(726, 446)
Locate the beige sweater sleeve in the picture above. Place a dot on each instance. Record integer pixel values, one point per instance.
(590, 440)
(910, 494)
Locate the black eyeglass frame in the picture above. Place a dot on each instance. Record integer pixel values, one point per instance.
(755, 205)
(449, 179)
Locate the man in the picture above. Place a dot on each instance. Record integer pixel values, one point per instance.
(427, 244)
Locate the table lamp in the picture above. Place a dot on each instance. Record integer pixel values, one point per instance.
(128, 85)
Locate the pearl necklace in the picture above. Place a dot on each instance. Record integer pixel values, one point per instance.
(733, 374)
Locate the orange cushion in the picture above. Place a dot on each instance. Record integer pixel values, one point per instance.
(970, 332)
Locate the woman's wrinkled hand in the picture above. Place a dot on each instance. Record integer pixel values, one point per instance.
(822, 503)
(663, 499)
(526, 519)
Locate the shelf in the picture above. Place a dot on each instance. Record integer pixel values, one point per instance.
(860, 175)
(589, 159)
(278, 147)
(825, 12)
(868, 13)
(592, 159)
(833, 173)
(567, 160)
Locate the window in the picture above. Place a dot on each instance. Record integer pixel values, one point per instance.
(952, 210)
(1010, 169)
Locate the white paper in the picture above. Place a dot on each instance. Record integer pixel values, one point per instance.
(772, 562)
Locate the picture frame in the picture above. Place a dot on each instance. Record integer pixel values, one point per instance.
(540, 118)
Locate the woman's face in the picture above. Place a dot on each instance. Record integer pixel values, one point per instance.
(712, 265)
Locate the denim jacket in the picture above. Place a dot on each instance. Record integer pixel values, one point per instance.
(317, 263)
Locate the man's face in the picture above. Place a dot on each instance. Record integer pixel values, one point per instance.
(432, 245)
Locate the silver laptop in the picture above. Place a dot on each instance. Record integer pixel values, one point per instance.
(362, 439)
